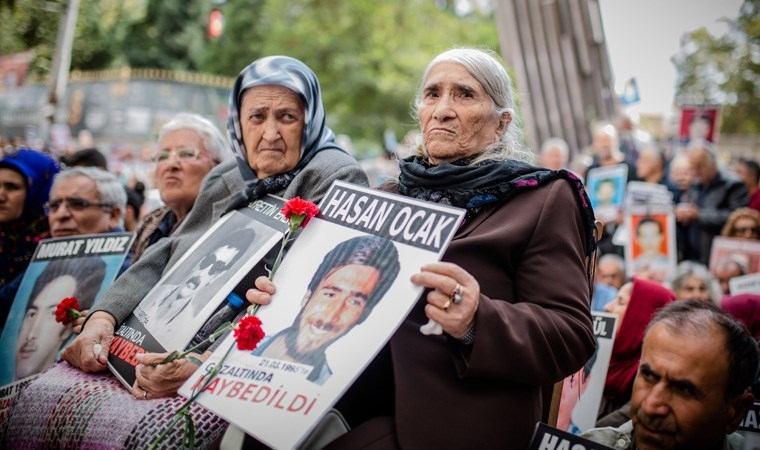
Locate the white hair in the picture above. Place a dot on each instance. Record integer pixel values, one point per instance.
(687, 269)
(484, 67)
(557, 143)
(213, 140)
(110, 191)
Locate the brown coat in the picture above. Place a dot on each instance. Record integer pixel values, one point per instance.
(533, 328)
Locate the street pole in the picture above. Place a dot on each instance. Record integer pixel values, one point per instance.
(54, 112)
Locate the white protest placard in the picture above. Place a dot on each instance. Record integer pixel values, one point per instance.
(188, 294)
(582, 391)
(82, 267)
(342, 290)
(745, 284)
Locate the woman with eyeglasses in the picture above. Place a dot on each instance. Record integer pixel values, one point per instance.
(744, 223)
(25, 180)
(282, 145)
(189, 146)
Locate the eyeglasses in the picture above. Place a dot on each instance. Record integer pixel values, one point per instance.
(746, 230)
(216, 265)
(73, 204)
(181, 153)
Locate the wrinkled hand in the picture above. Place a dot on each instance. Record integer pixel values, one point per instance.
(262, 293)
(76, 325)
(443, 278)
(81, 352)
(161, 380)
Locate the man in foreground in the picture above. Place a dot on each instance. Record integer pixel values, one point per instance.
(693, 385)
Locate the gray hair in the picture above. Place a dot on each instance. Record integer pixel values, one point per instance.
(484, 67)
(687, 269)
(613, 258)
(702, 145)
(558, 143)
(109, 189)
(213, 140)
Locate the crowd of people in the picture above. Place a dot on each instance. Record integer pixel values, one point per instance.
(513, 293)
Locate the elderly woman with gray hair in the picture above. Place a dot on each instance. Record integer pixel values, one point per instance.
(693, 281)
(189, 146)
(511, 295)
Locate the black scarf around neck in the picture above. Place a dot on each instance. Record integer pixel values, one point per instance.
(474, 186)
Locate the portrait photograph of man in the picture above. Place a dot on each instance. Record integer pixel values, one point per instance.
(651, 246)
(349, 282)
(698, 123)
(173, 309)
(38, 338)
(606, 190)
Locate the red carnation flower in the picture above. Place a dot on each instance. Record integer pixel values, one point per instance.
(248, 333)
(67, 310)
(296, 206)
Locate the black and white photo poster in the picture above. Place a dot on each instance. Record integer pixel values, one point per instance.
(342, 290)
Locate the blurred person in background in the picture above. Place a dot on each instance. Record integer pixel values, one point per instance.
(712, 198)
(606, 149)
(25, 180)
(610, 270)
(726, 268)
(609, 278)
(651, 167)
(680, 176)
(693, 281)
(635, 305)
(749, 172)
(746, 309)
(189, 146)
(135, 200)
(87, 157)
(554, 154)
(632, 139)
(744, 223)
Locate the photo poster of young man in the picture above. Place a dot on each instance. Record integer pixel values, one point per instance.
(699, 123)
(582, 391)
(606, 190)
(190, 291)
(650, 251)
(342, 291)
(82, 267)
(744, 252)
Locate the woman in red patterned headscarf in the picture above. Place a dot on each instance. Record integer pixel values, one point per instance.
(635, 305)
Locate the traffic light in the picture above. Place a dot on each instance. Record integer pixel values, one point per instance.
(215, 24)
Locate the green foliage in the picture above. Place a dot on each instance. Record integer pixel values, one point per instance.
(724, 70)
(170, 36)
(368, 55)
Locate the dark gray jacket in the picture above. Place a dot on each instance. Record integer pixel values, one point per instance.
(716, 202)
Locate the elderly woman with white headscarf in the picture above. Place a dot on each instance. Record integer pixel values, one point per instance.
(282, 146)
